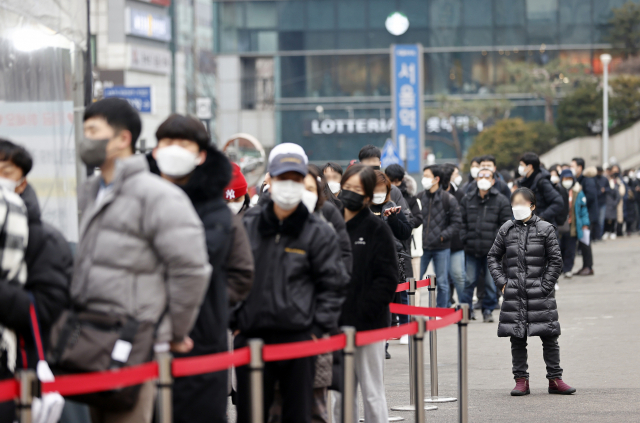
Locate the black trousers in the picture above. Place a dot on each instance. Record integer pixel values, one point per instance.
(587, 255)
(200, 398)
(568, 245)
(550, 353)
(295, 378)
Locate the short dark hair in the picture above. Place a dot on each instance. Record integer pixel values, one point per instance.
(526, 193)
(17, 155)
(369, 151)
(367, 178)
(184, 127)
(437, 171)
(488, 158)
(333, 166)
(447, 171)
(476, 159)
(599, 169)
(531, 159)
(381, 178)
(579, 161)
(119, 114)
(320, 185)
(395, 172)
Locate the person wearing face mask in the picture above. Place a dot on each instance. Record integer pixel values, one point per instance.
(575, 227)
(457, 265)
(37, 266)
(474, 168)
(525, 263)
(372, 287)
(236, 194)
(483, 211)
(556, 181)
(298, 287)
(333, 174)
(142, 250)
(489, 162)
(185, 157)
(440, 221)
(537, 179)
(586, 177)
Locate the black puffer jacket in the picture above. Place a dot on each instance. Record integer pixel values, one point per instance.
(549, 202)
(481, 219)
(400, 226)
(299, 279)
(438, 224)
(334, 217)
(533, 264)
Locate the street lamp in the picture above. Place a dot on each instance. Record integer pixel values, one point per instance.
(397, 23)
(605, 59)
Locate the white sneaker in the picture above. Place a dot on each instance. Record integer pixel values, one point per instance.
(605, 236)
(404, 340)
(568, 275)
(613, 236)
(557, 287)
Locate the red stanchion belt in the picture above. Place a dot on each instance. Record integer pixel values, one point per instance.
(9, 389)
(376, 335)
(402, 287)
(419, 284)
(420, 311)
(86, 383)
(210, 363)
(452, 318)
(423, 283)
(293, 350)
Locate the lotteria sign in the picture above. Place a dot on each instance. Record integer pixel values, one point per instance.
(351, 126)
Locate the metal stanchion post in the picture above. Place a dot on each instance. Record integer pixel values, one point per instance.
(164, 405)
(412, 369)
(463, 387)
(256, 367)
(433, 351)
(29, 387)
(349, 383)
(418, 376)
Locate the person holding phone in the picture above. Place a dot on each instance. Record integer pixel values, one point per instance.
(525, 263)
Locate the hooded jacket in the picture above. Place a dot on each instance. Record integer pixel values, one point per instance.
(141, 251)
(590, 188)
(299, 275)
(438, 224)
(531, 266)
(481, 220)
(549, 202)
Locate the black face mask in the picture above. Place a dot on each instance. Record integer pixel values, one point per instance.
(616, 175)
(375, 167)
(351, 200)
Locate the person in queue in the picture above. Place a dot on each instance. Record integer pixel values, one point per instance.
(474, 168)
(333, 174)
(576, 225)
(537, 179)
(602, 184)
(587, 177)
(236, 193)
(184, 156)
(440, 221)
(484, 210)
(298, 288)
(489, 162)
(525, 263)
(127, 208)
(457, 275)
(372, 287)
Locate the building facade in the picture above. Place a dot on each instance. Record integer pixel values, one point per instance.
(287, 67)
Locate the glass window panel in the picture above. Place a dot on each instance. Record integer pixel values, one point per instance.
(351, 14)
(542, 11)
(320, 76)
(547, 34)
(439, 68)
(291, 40)
(379, 10)
(509, 12)
(413, 36)
(602, 9)
(381, 39)
(228, 40)
(417, 11)
(510, 36)
(320, 14)
(261, 15)
(292, 76)
(445, 13)
(445, 37)
(351, 76)
(379, 75)
(267, 41)
(575, 12)
(352, 39)
(477, 12)
(477, 37)
(320, 40)
(290, 15)
(232, 15)
(575, 34)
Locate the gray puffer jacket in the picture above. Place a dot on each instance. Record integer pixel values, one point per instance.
(533, 264)
(142, 250)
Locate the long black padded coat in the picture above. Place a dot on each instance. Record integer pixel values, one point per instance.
(533, 264)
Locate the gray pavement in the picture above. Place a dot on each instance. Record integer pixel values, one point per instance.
(599, 354)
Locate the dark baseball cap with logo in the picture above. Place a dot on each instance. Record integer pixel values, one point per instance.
(287, 157)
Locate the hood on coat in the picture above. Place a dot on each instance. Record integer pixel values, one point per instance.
(590, 172)
(31, 202)
(208, 180)
(576, 188)
(412, 185)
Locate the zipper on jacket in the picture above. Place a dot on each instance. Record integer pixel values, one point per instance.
(429, 214)
(279, 230)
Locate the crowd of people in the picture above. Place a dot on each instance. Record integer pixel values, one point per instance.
(172, 256)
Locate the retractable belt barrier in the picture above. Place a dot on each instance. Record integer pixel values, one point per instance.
(164, 369)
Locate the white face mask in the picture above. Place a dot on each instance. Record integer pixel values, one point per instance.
(379, 198)
(427, 183)
(474, 172)
(555, 179)
(334, 187)
(175, 161)
(9, 184)
(521, 212)
(484, 184)
(287, 194)
(522, 170)
(235, 207)
(309, 199)
(457, 180)
(567, 184)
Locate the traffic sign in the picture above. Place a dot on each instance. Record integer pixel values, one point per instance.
(389, 154)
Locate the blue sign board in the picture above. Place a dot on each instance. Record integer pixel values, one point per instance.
(406, 81)
(389, 154)
(138, 97)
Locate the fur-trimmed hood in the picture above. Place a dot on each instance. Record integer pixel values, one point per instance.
(590, 172)
(411, 184)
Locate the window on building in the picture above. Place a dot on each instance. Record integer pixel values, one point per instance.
(257, 83)
(542, 21)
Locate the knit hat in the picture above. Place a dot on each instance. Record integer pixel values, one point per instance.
(238, 186)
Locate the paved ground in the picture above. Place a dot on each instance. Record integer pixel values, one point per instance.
(599, 353)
